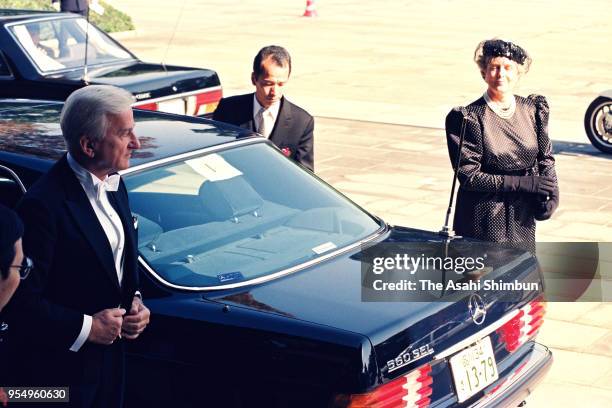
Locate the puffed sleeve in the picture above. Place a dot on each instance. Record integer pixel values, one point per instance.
(470, 175)
(546, 161)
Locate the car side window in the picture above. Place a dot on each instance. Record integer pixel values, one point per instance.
(5, 71)
(48, 39)
(36, 38)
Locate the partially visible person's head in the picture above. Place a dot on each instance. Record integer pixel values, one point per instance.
(11, 253)
(501, 63)
(34, 30)
(271, 70)
(98, 125)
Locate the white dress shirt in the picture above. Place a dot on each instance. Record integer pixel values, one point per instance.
(269, 116)
(111, 224)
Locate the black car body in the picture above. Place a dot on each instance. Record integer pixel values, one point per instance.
(252, 269)
(42, 56)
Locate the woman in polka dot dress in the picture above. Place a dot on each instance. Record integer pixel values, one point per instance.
(506, 168)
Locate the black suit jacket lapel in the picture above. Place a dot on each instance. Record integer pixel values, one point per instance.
(283, 124)
(130, 275)
(122, 208)
(84, 216)
(246, 113)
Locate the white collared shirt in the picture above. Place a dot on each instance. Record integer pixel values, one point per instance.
(111, 224)
(269, 115)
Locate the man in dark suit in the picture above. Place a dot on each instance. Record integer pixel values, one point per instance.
(268, 112)
(81, 302)
(72, 6)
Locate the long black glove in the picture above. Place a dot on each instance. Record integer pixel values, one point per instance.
(546, 208)
(530, 184)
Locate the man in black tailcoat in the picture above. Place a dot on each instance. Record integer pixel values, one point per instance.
(81, 303)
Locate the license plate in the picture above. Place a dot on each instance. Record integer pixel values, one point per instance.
(474, 369)
(173, 106)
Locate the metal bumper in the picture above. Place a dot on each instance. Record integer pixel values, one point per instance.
(517, 387)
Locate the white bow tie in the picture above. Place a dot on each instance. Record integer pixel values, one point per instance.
(111, 183)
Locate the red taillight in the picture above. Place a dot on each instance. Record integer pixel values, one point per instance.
(523, 326)
(147, 106)
(196, 104)
(409, 391)
(205, 102)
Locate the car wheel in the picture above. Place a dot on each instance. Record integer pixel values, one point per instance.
(598, 123)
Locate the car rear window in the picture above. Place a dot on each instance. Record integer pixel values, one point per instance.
(58, 44)
(237, 215)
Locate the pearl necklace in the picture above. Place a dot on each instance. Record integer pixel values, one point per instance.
(503, 111)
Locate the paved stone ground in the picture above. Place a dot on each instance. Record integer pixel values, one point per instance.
(365, 68)
(403, 174)
(393, 61)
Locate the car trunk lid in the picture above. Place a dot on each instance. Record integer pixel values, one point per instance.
(167, 88)
(404, 334)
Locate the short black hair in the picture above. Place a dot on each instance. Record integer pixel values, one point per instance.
(278, 54)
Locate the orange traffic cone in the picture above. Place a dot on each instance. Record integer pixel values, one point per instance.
(311, 9)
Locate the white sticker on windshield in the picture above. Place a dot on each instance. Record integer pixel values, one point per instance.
(213, 167)
(328, 246)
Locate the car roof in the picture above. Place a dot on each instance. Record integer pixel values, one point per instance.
(10, 15)
(31, 128)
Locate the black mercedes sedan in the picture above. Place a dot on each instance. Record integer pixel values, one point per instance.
(268, 288)
(48, 55)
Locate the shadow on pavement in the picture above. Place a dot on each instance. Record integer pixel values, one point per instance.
(578, 149)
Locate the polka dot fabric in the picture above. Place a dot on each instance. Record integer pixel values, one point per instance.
(492, 148)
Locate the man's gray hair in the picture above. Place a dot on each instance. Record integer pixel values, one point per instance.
(86, 109)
